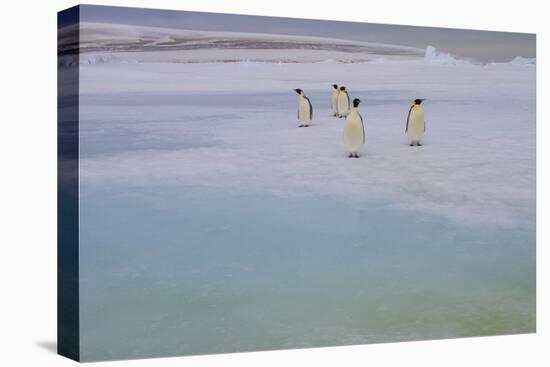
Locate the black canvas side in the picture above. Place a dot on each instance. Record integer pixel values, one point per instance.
(67, 184)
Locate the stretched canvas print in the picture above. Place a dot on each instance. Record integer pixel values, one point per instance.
(233, 183)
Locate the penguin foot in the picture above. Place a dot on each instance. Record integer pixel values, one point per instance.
(411, 145)
(350, 155)
(419, 144)
(301, 125)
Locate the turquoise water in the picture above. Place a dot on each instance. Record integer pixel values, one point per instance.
(187, 270)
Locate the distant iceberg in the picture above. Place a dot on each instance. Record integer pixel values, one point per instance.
(432, 56)
(520, 60)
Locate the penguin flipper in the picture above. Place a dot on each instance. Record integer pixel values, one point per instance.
(363, 126)
(347, 96)
(424, 125)
(408, 117)
(310, 108)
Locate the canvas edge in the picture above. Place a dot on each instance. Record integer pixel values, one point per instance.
(68, 311)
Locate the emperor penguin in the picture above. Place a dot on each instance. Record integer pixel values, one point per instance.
(305, 110)
(354, 132)
(342, 102)
(335, 100)
(416, 126)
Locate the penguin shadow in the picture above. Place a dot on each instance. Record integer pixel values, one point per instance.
(47, 345)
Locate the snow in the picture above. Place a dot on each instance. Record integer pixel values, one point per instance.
(99, 59)
(476, 166)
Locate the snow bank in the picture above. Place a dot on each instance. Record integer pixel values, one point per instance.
(106, 58)
(89, 59)
(166, 39)
(377, 61)
(98, 59)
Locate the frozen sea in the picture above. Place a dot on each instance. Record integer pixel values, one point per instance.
(210, 223)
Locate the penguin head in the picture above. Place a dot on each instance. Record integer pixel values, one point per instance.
(335, 86)
(299, 91)
(356, 102)
(418, 101)
(343, 89)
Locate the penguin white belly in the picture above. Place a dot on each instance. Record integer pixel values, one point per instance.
(304, 112)
(335, 102)
(415, 130)
(353, 134)
(343, 103)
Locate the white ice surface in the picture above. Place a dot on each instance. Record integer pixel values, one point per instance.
(477, 165)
